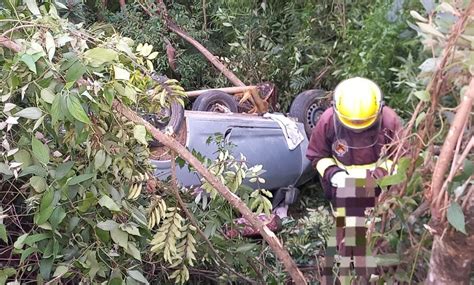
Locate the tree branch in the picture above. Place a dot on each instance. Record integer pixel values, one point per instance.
(447, 152)
(172, 26)
(233, 199)
(9, 44)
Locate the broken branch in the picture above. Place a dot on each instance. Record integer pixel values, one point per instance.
(172, 26)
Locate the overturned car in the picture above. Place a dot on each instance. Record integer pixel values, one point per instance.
(273, 140)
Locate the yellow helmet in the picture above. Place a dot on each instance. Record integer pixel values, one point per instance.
(357, 102)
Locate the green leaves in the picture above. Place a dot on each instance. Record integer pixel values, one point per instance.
(75, 71)
(48, 202)
(5, 273)
(57, 112)
(30, 60)
(139, 133)
(33, 7)
(456, 217)
(47, 95)
(423, 95)
(397, 178)
(387, 260)
(63, 169)
(121, 74)
(60, 271)
(50, 45)
(74, 159)
(33, 113)
(99, 56)
(79, 179)
(38, 183)
(3, 233)
(40, 150)
(119, 237)
(99, 159)
(138, 276)
(75, 108)
(126, 91)
(108, 225)
(110, 204)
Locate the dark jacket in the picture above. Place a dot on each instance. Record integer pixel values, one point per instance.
(333, 148)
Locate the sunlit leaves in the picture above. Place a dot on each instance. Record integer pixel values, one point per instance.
(139, 133)
(98, 56)
(121, 74)
(177, 244)
(72, 154)
(33, 7)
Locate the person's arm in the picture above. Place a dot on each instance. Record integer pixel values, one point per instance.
(320, 154)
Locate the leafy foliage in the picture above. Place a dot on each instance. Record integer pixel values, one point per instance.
(74, 171)
(72, 159)
(298, 45)
(192, 69)
(397, 231)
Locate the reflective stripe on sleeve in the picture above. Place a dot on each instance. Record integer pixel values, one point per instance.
(360, 170)
(323, 164)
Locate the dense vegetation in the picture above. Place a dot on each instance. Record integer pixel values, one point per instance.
(298, 45)
(65, 145)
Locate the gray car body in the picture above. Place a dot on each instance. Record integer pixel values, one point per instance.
(259, 139)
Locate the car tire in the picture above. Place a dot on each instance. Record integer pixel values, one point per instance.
(206, 102)
(175, 118)
(307, 107)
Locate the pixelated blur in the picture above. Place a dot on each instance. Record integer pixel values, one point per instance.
(348, 239)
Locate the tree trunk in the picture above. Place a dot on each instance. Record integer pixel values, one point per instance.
(452, 253)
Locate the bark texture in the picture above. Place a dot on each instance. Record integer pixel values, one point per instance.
(452, 254)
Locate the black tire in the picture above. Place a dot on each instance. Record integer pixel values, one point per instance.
(207, 101)
(172, 117)
(307, 107)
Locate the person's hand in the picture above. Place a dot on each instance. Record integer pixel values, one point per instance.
(378, 173)
(338, 180)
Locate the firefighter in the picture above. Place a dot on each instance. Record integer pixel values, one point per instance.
(352, 136)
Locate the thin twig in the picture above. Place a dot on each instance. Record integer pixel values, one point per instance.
(460, 160)
(468, 195)
(416, 256)
(21, 27)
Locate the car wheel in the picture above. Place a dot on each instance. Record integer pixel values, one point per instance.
(210, 101)
(307, 107)
(171, 117)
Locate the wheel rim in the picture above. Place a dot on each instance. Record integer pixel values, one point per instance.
(159, 120)
(214, 107)
(313, 114)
